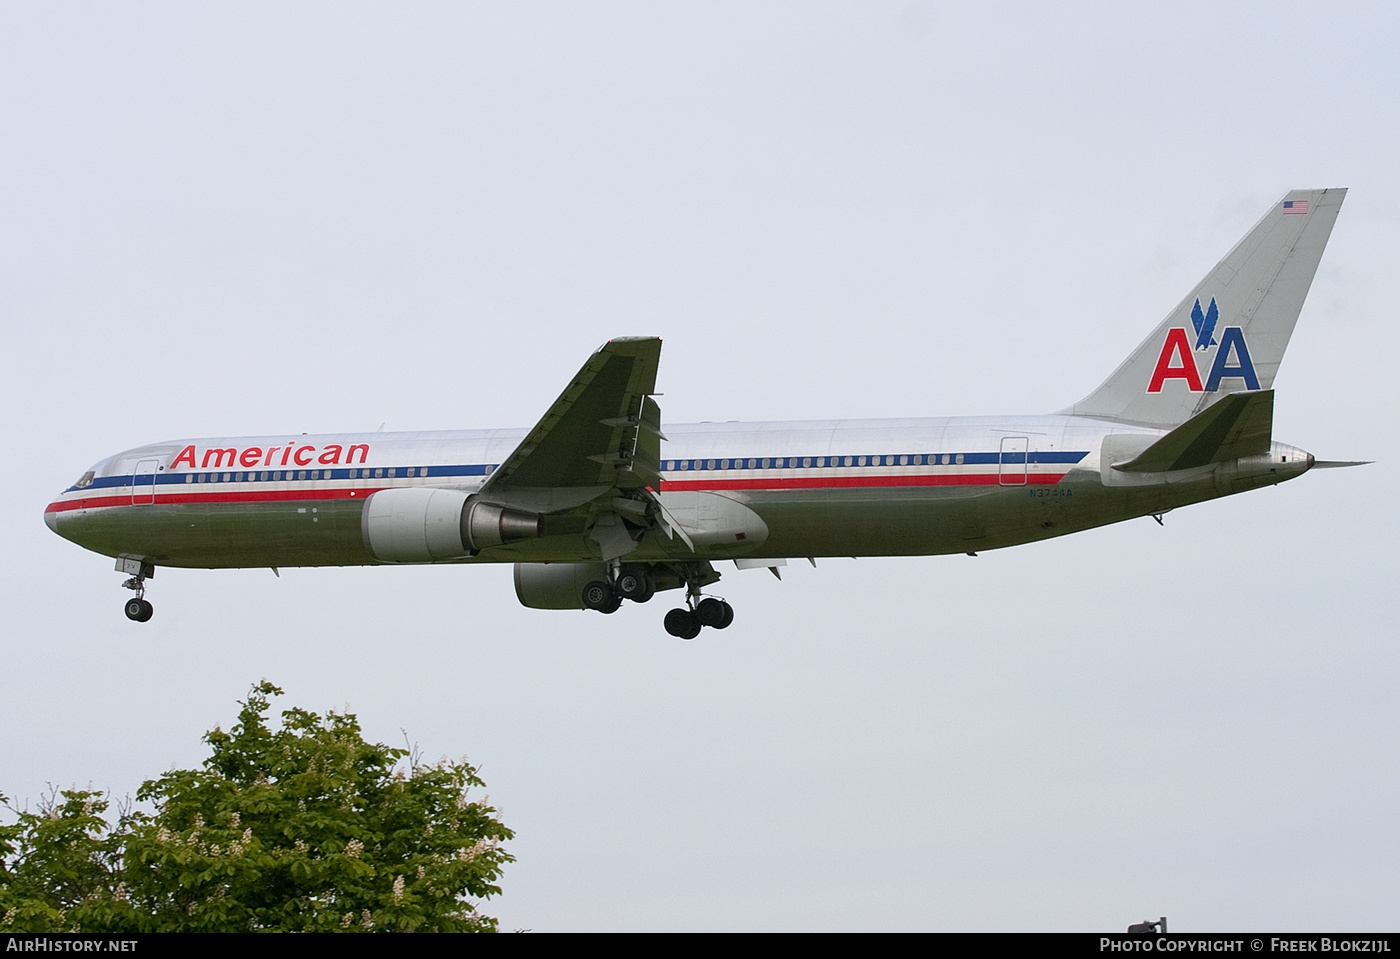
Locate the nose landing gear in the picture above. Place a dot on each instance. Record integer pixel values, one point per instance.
(138, 609)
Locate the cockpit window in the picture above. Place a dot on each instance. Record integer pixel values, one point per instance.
(84, 480)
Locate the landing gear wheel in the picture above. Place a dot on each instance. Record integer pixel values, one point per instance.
(682, 623)
(636, 585)
(138, 610)
(601, 596)
(715, 613)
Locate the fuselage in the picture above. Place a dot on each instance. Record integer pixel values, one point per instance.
(892, 487)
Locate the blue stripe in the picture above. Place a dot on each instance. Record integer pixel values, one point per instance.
(284, 475)
(919, 460)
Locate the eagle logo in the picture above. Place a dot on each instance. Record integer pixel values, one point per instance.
(1204, 323)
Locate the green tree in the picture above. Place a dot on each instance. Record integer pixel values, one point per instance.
(302, 828)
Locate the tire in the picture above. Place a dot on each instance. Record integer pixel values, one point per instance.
(136, 610)
(682, 624)
(636, 584)
(600, 596)
(711, 612)
(147, 611)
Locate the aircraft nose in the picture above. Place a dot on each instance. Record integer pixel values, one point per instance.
(51, 517)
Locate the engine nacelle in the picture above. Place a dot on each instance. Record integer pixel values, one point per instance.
(555, 585)
(420, 524)
(560, 585)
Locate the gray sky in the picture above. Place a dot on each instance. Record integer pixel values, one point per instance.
(253, 218)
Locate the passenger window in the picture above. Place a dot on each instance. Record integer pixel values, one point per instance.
(959, 458)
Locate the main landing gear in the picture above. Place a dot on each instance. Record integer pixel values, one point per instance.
(138, 609)
(638, 584)
(627, 582)
(686, 623)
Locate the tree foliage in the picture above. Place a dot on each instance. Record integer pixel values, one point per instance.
(302, 828)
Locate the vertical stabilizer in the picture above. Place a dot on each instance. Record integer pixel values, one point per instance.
(1229, 333)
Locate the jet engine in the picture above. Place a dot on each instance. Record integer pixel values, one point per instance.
(424, 525)
(555, 585)
(561, 585)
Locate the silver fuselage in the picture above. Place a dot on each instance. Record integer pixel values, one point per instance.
(898, 487)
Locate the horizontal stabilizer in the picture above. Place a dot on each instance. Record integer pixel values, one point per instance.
(1339, 464)
(1241, 424)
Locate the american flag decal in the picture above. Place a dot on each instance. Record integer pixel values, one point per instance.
(1295, 206)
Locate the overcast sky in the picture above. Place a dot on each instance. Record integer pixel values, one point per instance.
(250, 218)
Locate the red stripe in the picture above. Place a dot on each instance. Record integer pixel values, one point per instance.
(849, 482)
(773, 483)
(186, 499)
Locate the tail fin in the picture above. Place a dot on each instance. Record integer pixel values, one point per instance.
(1230, 332)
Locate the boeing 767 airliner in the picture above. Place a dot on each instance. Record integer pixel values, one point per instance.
(599, 503)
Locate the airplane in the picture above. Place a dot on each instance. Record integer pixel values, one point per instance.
(597, 504)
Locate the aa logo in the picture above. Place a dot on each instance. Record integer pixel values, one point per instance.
(1178, 362)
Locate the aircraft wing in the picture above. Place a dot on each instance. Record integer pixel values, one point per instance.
(603, 434)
